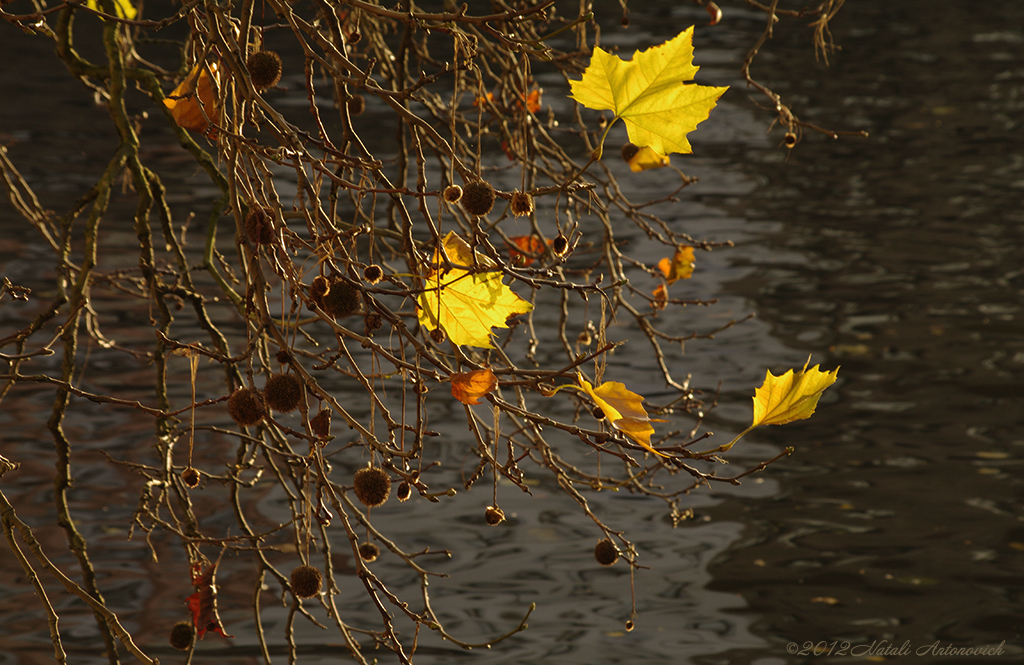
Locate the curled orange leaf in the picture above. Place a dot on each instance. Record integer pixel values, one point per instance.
(470, 387)
(624, 410)
(525, 246)
(193, 104)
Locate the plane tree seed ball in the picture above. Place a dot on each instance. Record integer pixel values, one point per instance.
(372, 486)
(283, 392)
(341, 300)
(245, 406)
(494, 515)
(368, 552)
(606, 553)
(478, 197)
(306, 581)
(356, 105)
(259, 226)
(373, 273)
(190, 477)
(521, 204)
(452, 193)
(264, 69)
(181, 635)
(404, 491)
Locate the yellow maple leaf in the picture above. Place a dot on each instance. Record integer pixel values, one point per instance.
(464, 304)
(792, 396)
(649, 93)
(783, 399)
(624, 410)
(124, 8)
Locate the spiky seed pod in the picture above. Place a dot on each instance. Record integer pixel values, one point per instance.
(438, 336)
(356, 105)
(182, 635)
(372, 486)
(245, 406)
(283, 392)
(404, 491)
(190, 477)
(452, 194)
(598, 413)
(259, 226)
(306, 581)
(354, 37)
(264, 69)
(368, 552)
(373, 322)
(494, 515)
(521, 204)
(283, 356)
(321, 423)
(342, 300)
(606, 553)
(373, 273)
(560, 245)
(478, 197)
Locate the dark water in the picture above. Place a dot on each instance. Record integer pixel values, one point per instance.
(898, 257)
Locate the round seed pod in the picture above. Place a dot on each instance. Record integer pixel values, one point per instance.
(629, 151)
(372, 486)
(259, 226)
(245, 406)
(283, 356)
(560, 245)
(373, 273)
(452, 194)
(373, 322)
(190, 477)
(356, 105)
(182, 635)
(264, 69)
(404, 491)
(438, 336)
(478, 197)
(790, 139)
(321, 423)
(341, 300)
(306, 581)
(598, 413)
(606, 553)
(494, 515)
(368, 552)
(320, 287)
(521, 204)
(283, 392)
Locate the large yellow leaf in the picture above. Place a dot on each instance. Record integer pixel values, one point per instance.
(649, 93)
(466, 305)
(792, 396)
(624, 410)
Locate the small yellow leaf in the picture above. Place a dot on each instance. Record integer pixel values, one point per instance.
(680, 267)
(792, 396)
(623, 409)
(643, 159)
(467, 305)
(650, 93)
(124, 8)
(193, 103)
(470, 387)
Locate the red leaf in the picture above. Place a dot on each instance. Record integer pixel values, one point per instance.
(203, 603)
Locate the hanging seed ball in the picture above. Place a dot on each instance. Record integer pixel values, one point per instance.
(259, 226)
(372, 486)
(306, 581)
(283, 392)
(790, 139)
(181, 635)
(522, 204)
(356, 105)
(245, 406)
(438, 336)
(190, 477)
(560, 245)
(373, 273)
(606, 553)
(478, 197)
(321, 423)
(341, 300)
(629, 151)
(373, 322)
(319, 288)
(368, 552)
(494, 515)
(264, 69)
(630, 626)
(354, 37)
(452, 193)
(598, 413)
(404, 491)
(283, 356)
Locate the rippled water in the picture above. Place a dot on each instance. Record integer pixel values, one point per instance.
(898, 257)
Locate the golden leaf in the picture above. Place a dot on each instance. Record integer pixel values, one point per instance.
(193, 103)
(643, 159)
(624, 410)
(792, 396)
(466, 305)
(470, 387)
(680, 267)
(650, 93)
(124, 8)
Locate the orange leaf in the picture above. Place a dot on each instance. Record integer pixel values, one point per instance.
(193, 103)
(660, 296)
(527, 245)
(203, 603)
(533, 100)
(624, 410)
(680, 267)
(470, 387)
